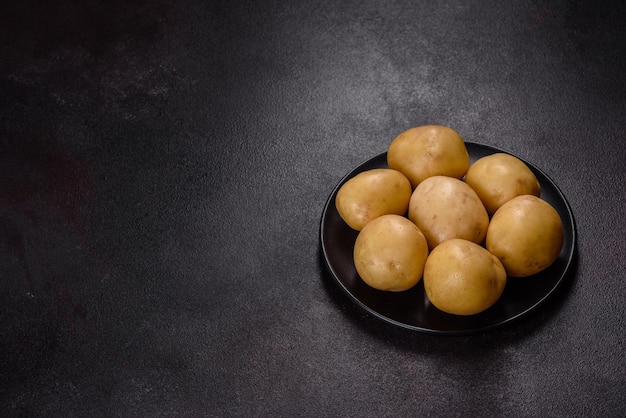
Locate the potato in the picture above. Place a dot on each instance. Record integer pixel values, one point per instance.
(499, 177)
(390, 253)
(526, 234)
(463, 278)
(426, 151)
(444, 208)
(372, 193)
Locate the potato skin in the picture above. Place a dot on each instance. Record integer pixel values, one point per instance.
(390, 253)
(444, 208)
(526, 234)
(463, 278)
(426, 151)
(499, 177)
(371, 194)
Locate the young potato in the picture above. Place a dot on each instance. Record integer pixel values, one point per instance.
(463, 278)
(373, 193)
(390, 253)
(444, 208)
(499, 177)
(426, 151)
(526, 234)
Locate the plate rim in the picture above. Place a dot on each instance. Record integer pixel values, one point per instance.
(571, 255)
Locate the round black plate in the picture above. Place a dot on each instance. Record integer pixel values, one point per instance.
(411, 309)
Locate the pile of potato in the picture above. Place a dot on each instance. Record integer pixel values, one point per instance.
(461, 227)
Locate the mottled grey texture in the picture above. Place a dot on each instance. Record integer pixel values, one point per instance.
(163, 169)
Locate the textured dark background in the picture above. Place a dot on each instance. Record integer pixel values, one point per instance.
(163, 170)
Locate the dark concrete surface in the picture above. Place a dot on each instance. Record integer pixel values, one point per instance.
(163, 170)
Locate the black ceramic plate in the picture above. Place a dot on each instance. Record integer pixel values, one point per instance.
(411, 309)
